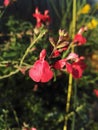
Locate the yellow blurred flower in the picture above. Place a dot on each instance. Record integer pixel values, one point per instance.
(85, 10)
(92, 24)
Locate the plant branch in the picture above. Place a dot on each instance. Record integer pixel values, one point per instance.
(31, 45)
(70, 75)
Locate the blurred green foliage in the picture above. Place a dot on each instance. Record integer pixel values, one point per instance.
(43, 105)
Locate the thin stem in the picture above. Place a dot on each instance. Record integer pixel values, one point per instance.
(70, 75)
(31, 45)
(68, 101)
(68, 50)
(2, 13)
(74, 18)
(10, 74)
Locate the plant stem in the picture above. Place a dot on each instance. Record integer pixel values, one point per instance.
(70, 75)
(2, 13)
(10, 74)
(75, 87)
(31, 45)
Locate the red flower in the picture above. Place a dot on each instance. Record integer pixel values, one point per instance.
(40, 18)
(96, 92)
(41, 72)
(56, 53)
(72, 56)
(76, 68)
(6, 2)
(79, 39)
(59, 64)
(46, 17)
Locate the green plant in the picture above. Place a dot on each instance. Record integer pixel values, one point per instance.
(30, 104)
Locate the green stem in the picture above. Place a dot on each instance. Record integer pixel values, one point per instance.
(70, 75)
(31, 45)
(74, 18)
(68, 50)
(10, 74)
(2, 13)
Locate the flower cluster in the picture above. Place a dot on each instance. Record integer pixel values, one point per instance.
(74, 64)
(41, 18)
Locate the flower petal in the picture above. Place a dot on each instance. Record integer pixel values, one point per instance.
(42, 54)
(40, 72)
(47, 74)
(80, 39)
(59, 64)
(35, 72)
(72, 56)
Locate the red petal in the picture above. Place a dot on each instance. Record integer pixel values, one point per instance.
(77, 72)
(47, 74)
(35, 72)
(80, 39)
(42, 54)
(56, 53)
(68, 67)
(72, 56)
(59, 64)
(40, 72)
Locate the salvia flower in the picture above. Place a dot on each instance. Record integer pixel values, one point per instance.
(6, 2)
(79, 39)
(40, 18)
(76, 68)
(41, 72)
(73, 64)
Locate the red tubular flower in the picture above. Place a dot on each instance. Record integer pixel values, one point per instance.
(96, 92)
(38, 17)
(41, 72)
(59, 64)
(76, 68)
(56, 53)
(46, 17)
(6, 2)
(79, 39)
(41, 17)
